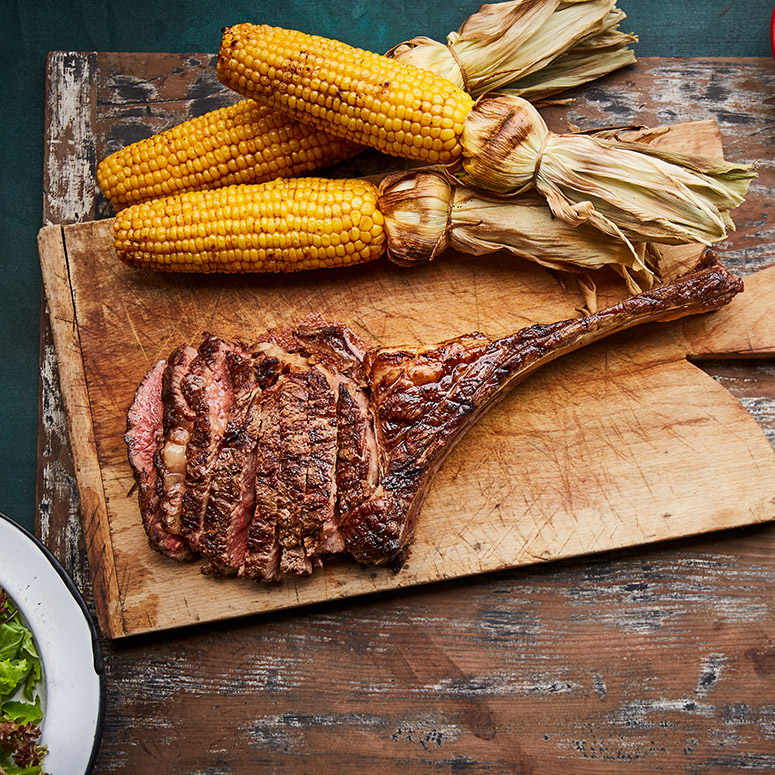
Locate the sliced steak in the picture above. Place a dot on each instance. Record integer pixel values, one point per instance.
(143, 436)
(178, 421)
(317, 529)
(357, 462)
(208, 391)
(294, 462)
(262, 552)
(296, 520)
(231, 503)
(340, 353)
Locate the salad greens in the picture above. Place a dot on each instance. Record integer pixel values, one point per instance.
(20, 705)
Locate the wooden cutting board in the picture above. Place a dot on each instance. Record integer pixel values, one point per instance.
(624, 443)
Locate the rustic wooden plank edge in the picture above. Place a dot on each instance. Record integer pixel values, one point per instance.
(57, 513)
(68, 196)
(70, 160)
(80, 429)
(69, 114)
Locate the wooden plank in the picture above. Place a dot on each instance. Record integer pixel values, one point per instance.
(69, 139)
(657, 661)
(69, 196)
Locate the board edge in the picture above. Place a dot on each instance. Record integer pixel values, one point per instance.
(62, 319)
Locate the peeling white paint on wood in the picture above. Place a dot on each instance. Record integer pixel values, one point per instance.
(70, 162)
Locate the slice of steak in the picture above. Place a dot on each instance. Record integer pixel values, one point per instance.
(357, 462)
(296, 518)
(262, 552)
(231, 503)
(425, 399)
(178, 421)
(294, 448)
(208, 391)
(317, 530)
(143, 436)
(295, 521)
(340, 352)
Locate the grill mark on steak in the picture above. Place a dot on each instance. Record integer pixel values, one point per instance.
(318, 530)
(357, 463)
(262, 554)
(207, 389)
(178, 420)
(143, 435)
(294, 447)
(303, 518)
(340, 353)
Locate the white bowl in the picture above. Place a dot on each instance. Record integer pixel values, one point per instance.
(73, 676)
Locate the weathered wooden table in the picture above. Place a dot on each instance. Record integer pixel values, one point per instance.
(660, 658)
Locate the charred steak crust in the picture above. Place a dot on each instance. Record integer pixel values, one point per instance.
(262, 551)
(318, 525)
(310, 443)
(231, 502)
(357, 464)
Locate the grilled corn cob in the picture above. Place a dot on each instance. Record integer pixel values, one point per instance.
(242, 143)
(364, 97)
(308, 223)
(284, 225)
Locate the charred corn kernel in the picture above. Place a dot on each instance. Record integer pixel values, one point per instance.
(346, 91)
(284, 225)
(242, 143)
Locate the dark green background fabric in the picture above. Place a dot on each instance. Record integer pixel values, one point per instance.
(31, 28)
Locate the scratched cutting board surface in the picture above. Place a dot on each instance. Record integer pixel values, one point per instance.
(623, 443)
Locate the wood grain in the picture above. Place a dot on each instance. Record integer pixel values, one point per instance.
(654, 659)
(75, 393)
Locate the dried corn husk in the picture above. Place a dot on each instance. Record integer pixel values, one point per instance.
(627, 190)
(591, 58)
(535, 48)
(426, 212)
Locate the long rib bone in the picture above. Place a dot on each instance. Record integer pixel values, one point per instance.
(424, 399)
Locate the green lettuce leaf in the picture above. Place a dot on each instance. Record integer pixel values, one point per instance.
(12, 673)
(23, 712)
(11, 637)
(12, 769)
